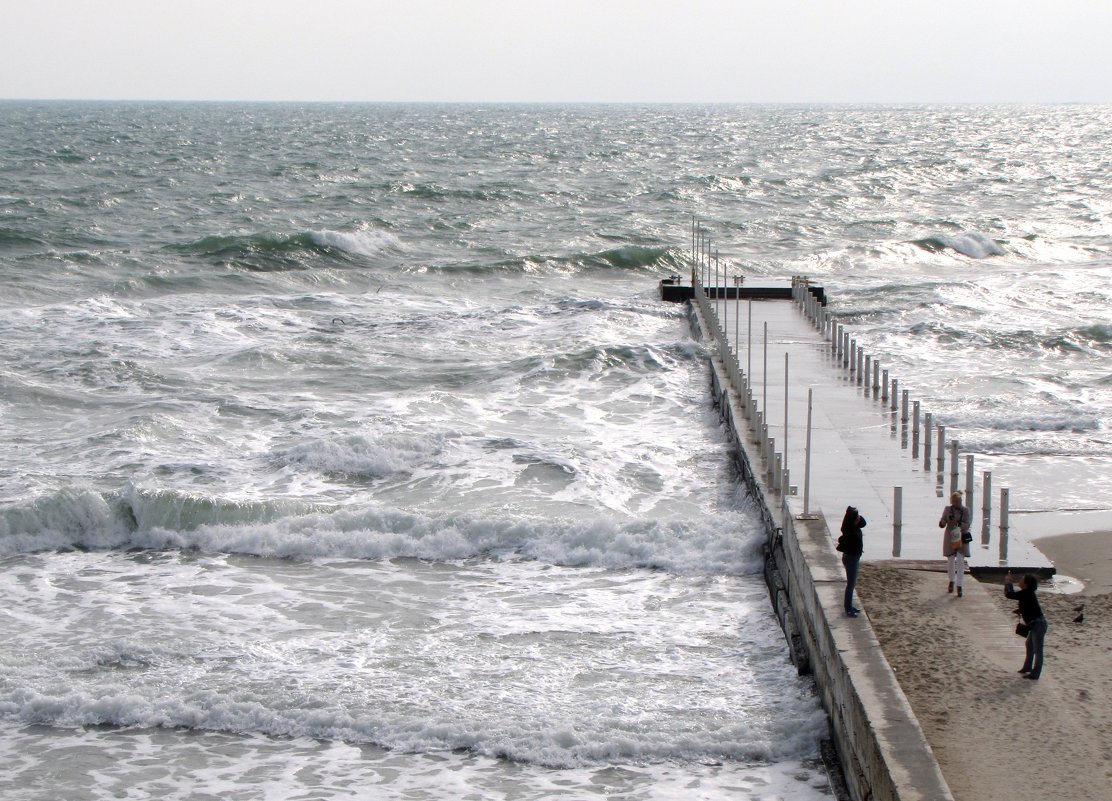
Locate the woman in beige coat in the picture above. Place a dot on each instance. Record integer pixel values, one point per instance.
(955, 523)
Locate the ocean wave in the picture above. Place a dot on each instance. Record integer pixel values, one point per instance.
(12, 238)
(438, 192)
(265, 251)
(558, 744)
(628, 258)
(973, 244)
(162, 520)
(360, 243)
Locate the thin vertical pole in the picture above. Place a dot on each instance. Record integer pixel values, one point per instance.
(807, 459)
(722, 326)
(953, 466)
(969, 501)
(986, 508)
(737, 318)
(692, 250)
(897, 520)
(927, 419)
(749, 342)
(785, 410)
(764, 388)
(1003, 524)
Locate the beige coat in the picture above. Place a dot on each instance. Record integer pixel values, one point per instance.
(953, 523)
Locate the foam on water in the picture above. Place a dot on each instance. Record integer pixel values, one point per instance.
(566, 668)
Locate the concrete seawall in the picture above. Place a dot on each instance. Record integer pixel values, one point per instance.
(882, 749)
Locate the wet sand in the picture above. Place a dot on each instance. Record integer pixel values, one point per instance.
(995, 734)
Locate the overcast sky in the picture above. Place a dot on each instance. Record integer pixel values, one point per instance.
(789, 51)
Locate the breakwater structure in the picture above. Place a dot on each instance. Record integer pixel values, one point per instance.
(819, 426)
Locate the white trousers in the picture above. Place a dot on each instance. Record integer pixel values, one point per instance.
(955, 566)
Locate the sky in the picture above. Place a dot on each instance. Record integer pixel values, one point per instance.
(687, 51)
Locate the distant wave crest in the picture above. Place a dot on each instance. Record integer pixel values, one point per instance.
(263, 251)
(973, 244)
(629, 257)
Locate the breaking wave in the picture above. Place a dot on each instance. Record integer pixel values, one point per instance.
(973, 244)
(144, 520)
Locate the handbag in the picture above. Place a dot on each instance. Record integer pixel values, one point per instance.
(1022, 629)
(966, 537)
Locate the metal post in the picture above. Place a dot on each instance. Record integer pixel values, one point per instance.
(717, 285)
(915, 421)
(884, 390)
(852, 356)
(953, 466)
(845, 350)
(737, 318)
(903, 412)
(969, 499)
(927, 441)
(1004, 524)
(785, 410)
(876, 376)
(764, 387)
(897, 520)
(749, 342)
(868, 370)
(725, 307)
(860, 365)
(895, 394)
(986, 508)
(807, 459)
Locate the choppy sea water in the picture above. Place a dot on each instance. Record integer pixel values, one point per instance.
(348, 451)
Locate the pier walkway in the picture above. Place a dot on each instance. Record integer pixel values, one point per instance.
(862, 447)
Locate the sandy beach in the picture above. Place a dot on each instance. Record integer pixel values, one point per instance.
(995, 734)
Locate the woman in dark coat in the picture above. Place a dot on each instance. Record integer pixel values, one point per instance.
(1032, 614)
(852, 545)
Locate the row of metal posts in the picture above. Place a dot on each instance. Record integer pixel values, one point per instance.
(707, 268)
(865, 369)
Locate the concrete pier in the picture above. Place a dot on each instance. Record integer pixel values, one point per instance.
(844, 437)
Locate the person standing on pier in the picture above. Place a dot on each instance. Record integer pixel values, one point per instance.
(1032, 614)
(852, 545)
(955, 523)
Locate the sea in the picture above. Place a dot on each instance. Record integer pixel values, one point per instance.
(347, 451)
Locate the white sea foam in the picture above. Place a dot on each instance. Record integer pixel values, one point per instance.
(361, 243)
(541, 665)
(360, 455)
